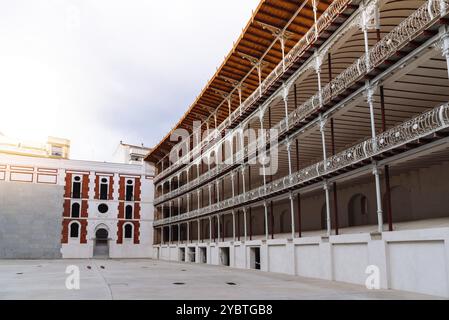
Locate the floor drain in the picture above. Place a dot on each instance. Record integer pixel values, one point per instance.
(179, 283)
(231, 283)
(89, 267)
(102, 267)
(19, 273)
(183, 270)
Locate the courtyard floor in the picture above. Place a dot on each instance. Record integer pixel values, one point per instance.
(153, 279)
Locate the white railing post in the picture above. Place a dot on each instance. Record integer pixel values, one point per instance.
(378, 198)
(292, 214)
(233, 225)
(289, 155)
(210, 194)
(443, 8)
(322, 124)
(263, 158)
(188, 202)
(239, 89)
(198, 198)
(243, 179)
(282, 40)
(210, 229)
(444, 44)
(368, 20)
(218, 190)
(218, 225)
(315, 9)
(370, 90)
(317, 67)
(199, 233)
(232, 184)
(245, 224)
(265, 205)
(328, 208)
(169, 234)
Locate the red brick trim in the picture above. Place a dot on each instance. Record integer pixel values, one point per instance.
(137, 211)
(97, 187)
(84, 207)
(121, 189)
(85, 191)
(137, 186)
(68, 185)
(121, 210)
(111, 188)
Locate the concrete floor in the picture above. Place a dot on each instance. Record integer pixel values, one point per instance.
(152, 279)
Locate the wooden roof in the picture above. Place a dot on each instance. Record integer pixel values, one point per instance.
(256, 41)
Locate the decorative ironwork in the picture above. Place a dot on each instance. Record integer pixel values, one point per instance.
(418, 127)
(422, 18)
(325, 20)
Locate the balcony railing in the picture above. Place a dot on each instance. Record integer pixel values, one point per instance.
(420, 20)
(400, 36)
(323, 22)
(419, 127)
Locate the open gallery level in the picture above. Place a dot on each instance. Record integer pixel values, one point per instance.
(323, 148)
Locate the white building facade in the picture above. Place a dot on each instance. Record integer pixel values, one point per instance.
(82, 209)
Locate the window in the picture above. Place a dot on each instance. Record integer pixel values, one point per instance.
(103, 208)
(128, 231)
(75, 210)
(129, 190)
(76, 187)
(104, 186)
(56, 151)
(74, 230)
(128, 212)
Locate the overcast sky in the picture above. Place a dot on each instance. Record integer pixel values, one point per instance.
(100, 71)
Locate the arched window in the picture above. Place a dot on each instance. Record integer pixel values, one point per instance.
(358, 210)
(129, 190)
(128, 231)
(76, 187)
(104, 186)
(129, 212)
(75, 210)
(74, 230)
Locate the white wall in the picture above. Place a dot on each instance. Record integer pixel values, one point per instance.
(409, 260)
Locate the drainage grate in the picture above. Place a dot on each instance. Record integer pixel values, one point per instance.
(19, 273)
(231, 283)
(178, 283)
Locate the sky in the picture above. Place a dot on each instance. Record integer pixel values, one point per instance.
(100, 71)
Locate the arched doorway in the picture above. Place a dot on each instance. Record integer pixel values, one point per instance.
(358, 210)
(101, 247)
